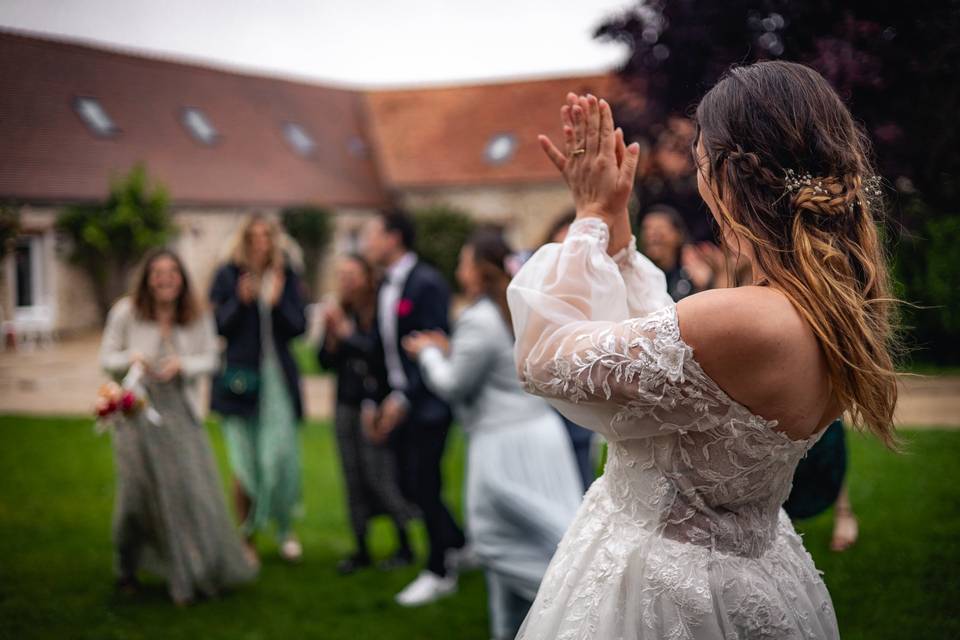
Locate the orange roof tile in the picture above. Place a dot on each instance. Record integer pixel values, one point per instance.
(438, 136)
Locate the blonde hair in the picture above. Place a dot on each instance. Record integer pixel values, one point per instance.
(239, 250)
(815, 238)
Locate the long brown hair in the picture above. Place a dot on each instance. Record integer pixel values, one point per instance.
(490, 253)
(187, 308)
(364, 306)
(791, 175)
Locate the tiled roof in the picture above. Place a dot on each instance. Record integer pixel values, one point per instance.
(49, 154)
(434, 137)
(366, 143)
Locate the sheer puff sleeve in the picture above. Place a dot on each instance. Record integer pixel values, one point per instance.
(598, 338)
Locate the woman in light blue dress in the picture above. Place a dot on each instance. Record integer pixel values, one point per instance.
(523, 487)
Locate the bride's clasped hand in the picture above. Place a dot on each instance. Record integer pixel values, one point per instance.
(598, 168)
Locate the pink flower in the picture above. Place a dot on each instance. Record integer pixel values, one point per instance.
(102, 408)
(128, 401)
(404, 307)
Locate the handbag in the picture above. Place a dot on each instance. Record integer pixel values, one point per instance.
(243, 383)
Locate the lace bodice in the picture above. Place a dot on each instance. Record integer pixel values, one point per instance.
(598, 337)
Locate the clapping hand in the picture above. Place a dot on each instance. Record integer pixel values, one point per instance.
(598, 168)
(247, 287)
(169, 368)
(416, 342)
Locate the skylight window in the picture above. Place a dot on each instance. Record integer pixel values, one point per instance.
(500, 148)
(357, 147)
(95, 116)
(299, 139)
(198, 125)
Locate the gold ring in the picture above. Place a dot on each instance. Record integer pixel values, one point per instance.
(577, 152)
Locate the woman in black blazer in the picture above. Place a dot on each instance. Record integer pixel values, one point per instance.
(259, 308)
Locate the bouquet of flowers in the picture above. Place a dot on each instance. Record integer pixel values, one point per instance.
(126, 399)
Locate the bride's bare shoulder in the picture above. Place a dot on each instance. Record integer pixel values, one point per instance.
(747, 316)
(745, 333)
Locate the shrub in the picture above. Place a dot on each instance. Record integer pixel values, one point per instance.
(927, 270)
(312, 228)
(441, 232)
(107, 239)
(9, 228)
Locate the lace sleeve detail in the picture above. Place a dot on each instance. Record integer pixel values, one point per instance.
(578, 347)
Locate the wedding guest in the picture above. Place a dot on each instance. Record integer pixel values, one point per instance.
(259, 308)
(820, 482)
(369, 470)
(523, 487)
(581, 439)
(664, 239)
(413, 297)
(170, 517)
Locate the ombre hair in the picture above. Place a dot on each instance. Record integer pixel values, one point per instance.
(817, 240)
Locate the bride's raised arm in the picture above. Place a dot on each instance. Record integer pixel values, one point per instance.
(597, 335)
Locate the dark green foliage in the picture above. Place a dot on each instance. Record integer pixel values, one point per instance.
(9, 227)
(107, 239)
(441, 233)
(927, 267)
(312, 228)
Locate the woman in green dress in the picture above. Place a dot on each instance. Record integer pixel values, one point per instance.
(170, 516)
(258, 305)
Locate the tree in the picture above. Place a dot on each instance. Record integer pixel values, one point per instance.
(312, 228)
(107, 239)
(9, 228)
(896, 65)
(441, 233)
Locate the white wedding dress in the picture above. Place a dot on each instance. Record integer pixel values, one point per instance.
(683, 536)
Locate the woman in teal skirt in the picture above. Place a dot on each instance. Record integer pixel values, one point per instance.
(258, 305)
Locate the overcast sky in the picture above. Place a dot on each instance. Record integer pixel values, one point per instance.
(357, 42)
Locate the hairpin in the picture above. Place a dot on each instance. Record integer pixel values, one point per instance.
(794, 181)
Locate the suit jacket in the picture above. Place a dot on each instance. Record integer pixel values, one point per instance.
(239, 323)
(425, 305)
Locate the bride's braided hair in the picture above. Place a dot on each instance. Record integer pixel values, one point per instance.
(791, 175)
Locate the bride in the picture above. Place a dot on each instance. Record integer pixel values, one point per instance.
(708, 404)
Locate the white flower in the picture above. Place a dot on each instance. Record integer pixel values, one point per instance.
(670, 361)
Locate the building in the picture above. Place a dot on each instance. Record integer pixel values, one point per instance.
(225, 144)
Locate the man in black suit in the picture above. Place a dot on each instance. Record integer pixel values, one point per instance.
(413, 297)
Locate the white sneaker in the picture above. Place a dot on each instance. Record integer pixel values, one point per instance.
(427, 588)
(291, 550)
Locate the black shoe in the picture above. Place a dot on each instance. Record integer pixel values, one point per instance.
(353, 563)
(402, 558)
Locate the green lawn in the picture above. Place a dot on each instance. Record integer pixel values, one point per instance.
(900, 581)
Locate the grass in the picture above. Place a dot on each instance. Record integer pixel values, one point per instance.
(306, 357)
(900, 581)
